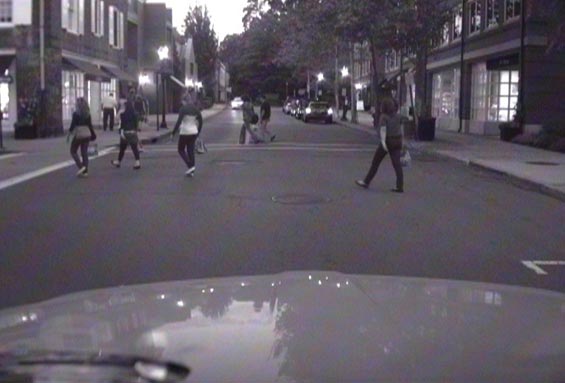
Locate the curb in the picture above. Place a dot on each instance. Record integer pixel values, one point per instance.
(514, 179)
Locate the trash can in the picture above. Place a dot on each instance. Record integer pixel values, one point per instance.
(427, 129)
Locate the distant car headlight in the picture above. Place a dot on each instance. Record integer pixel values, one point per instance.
(330, 111)
(308, 110)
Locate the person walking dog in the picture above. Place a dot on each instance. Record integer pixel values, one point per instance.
(128, 135)
(82, 133)
(264, 119)
(249, 118)
(391, 142)
(189, 125)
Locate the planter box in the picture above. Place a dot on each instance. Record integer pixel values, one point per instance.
(427, 129)
(25, 131)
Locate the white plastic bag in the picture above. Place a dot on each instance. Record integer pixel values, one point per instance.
(406, 158)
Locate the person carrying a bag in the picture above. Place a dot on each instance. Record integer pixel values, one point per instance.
(391, 142)
(249, 118)
(189, 125)
(82, 133)
(128, 135)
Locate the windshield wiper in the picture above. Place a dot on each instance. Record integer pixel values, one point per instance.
(152, 370)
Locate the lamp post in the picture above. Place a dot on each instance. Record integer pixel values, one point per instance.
(163, 53)
(344, 74)
(320, 79)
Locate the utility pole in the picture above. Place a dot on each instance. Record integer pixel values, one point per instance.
(336, 80)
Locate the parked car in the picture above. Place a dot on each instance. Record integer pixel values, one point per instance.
(236, 103)
(294, 105)
(317, 110)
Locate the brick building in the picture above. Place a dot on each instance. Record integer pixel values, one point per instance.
(58, 50)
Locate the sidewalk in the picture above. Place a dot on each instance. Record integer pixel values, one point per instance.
(25, 156)
(541, 169)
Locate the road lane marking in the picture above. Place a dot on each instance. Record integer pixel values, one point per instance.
(12, 155)
(535, 265)
(46, 170)
(220, 147)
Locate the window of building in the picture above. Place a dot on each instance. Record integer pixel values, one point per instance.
(474, 13)
(72, 18)
(73, 87)
(493, 14)
(109, 87)
(445, 95)
(97, 17)
(494, 93)
(512, 9)
(116, 27)
(457, 23)
(392, 61)
(5, 11)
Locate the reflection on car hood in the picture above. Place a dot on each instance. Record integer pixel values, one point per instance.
(311, 327)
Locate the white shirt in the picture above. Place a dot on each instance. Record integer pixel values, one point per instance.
(189, 126)
(109, 102)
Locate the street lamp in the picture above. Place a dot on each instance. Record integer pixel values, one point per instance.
(320, 79)
(344, 72)
(163, 53)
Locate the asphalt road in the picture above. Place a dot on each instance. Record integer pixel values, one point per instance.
(290, 205)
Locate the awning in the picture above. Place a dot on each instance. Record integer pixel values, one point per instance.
(120, 74)
(5, 62)
(177, 81)
(91, 71)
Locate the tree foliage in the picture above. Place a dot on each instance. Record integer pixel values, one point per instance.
(199, 26)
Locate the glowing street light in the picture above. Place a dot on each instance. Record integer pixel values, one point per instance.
(144, 79)
(163, 52)
(320, 76)
(344, 72)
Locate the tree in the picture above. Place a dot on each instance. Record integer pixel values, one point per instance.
(198, 26)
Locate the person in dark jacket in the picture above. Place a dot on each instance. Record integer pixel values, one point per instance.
(189, 125)
(391, 142)
(128, 135)
(82, 133)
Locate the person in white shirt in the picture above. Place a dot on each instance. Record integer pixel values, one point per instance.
(189, 125)
(109, 105)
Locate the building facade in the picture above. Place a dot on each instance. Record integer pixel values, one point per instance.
(491, 63)
(54, 51)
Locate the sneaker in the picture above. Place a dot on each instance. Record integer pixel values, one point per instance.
(115, 163)
(137, 165)
(362, 183)
(273, 137)
(83, 175)
(81, 171)
(190, 172)
(396, 190)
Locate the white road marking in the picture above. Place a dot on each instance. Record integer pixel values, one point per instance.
(46, 170)
(320, 148)
(535, 265)
(6, 156)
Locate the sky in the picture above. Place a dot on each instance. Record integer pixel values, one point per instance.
(226, 15)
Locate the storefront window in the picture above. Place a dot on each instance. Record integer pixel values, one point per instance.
(73, 87)
(445, 102)
(494, 93)
(5, 100)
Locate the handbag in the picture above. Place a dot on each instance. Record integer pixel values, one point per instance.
(82, 132)
(405, 158)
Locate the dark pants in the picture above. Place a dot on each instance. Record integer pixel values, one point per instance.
(186, 149)
(132, 141)
(83, 145)
(344, 115)
(108, 113)
(394, 145)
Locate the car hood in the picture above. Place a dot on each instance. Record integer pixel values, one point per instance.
(311, 327)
